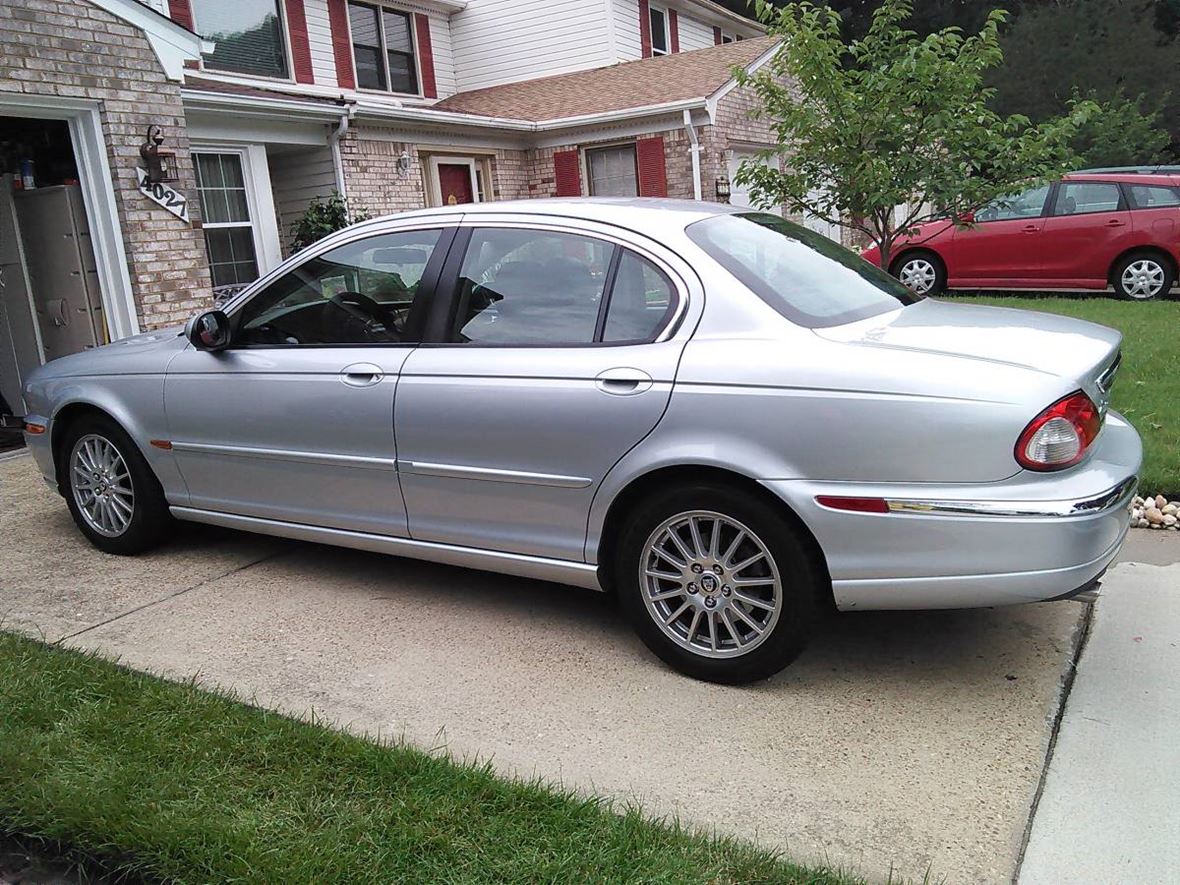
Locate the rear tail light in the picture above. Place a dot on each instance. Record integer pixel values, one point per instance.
(1060, 435)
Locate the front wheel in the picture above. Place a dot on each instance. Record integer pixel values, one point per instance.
(718, 584)
(1143, 276)
(922, 273)
(113, 496)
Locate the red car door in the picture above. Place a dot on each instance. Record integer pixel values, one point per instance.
(1088, 227)
(1001, 246)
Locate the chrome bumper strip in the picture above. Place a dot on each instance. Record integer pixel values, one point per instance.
(1108, 500)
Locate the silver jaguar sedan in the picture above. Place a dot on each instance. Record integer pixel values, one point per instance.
(731, 422)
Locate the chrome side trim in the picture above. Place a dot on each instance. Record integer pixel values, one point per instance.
(560, 571)
(1108, 500)
(457, 471)
(287, 455)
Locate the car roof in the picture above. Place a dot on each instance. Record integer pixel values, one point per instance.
(1167, 179)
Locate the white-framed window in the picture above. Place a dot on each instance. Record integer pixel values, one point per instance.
(660, 42)
(383, 48)
(612, 171)
(249, 36)
(241, 239)
(726, 37)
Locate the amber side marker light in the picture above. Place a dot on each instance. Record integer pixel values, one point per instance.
(165, 444)
(855, 505)
(34, 428)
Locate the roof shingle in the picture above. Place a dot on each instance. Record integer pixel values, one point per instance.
(632, 84)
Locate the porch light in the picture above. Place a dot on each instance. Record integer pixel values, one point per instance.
(160, 164)
(722, 187)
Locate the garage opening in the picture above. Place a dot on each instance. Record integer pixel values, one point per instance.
(50, 297)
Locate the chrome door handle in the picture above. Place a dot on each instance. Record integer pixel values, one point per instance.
(623, 381)
(361, 375)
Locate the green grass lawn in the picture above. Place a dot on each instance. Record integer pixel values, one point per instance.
(170, 781)
(1147, 389)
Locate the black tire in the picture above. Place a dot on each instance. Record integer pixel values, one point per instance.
(149, 521)
(938, 285)
(803, 585)
(1155, 266)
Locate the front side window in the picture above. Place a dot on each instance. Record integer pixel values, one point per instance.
(1154, 196)
(1028, 204)
(1083, 197)
(383, 48)
(226, 222)
(248, 36)
(613, 171)
(809, 279)
(358, 293)
(659, 31)
(546, 288)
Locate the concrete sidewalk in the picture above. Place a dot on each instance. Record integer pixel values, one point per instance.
(1110, 810)
(908, 740)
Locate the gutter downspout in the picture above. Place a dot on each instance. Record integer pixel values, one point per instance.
(337, 163)
(695, 150)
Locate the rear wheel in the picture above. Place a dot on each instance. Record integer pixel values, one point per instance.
(717, 583)
(1142, 276)
(113, 496)
(922, 272)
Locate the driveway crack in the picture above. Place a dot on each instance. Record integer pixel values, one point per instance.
(170, 596)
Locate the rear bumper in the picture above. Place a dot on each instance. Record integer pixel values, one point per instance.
(1032, 537)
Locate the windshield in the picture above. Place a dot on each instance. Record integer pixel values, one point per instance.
(809, 279)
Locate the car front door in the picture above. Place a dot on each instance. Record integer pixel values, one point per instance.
(556, 357)
(1090, 225)
(1001, 244)
(294, 421)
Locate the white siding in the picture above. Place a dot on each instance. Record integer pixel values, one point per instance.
(161, 6)
(628, 43)
(297, 177)
(319, 35)
(502, 41)
(444, 56)
(694, 34)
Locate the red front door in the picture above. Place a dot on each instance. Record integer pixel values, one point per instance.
(454, 183)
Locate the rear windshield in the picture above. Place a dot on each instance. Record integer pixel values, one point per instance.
(809, 279)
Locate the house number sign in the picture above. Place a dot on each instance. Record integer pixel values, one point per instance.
(172, 200)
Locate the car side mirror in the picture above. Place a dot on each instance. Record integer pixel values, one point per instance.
(967, 217)
(209, 330)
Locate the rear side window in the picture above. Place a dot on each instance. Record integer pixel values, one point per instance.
(809, 279)
(538, 288)
(1083, 197)
(1153, 196)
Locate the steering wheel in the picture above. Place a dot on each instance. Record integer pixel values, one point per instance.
(369, 313)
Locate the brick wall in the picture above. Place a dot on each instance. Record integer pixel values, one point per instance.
(71, 48)
(375, 184)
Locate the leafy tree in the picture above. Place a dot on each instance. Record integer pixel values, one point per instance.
(1125, 133)
(892, 119)
(322, 217)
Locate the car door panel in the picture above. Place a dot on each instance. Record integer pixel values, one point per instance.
(504, 448)
(1090, 226)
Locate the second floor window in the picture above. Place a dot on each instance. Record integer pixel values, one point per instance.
(383, 48)
(248, 34)
(659, 31)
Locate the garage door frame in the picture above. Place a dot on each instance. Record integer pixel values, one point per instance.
(98, 193)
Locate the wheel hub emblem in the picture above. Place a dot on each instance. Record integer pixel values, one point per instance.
(708, 584)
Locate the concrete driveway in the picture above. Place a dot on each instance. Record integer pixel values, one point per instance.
(911, 741)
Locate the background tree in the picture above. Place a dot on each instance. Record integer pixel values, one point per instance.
(892, 119)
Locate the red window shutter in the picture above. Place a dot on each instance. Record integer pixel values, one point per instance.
(674, 30)
(181, 13)
(425, 55)
(716, 36)
(567, 174)
(644, 29)
(300, 45)
(649, 158)
(341, 43)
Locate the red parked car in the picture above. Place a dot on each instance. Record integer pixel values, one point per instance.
(1091, 230)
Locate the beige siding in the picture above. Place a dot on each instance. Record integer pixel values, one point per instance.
(502, 41)
(694, 34)
(297, 177)
(319, 35)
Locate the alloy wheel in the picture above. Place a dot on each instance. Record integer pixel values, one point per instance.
(101, 484)
(1143, 278)
(919, 274)
(710, 584)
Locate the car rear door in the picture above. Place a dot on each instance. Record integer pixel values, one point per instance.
(1088, 227)
(294, 422)
(555, 356)
(1001, 246)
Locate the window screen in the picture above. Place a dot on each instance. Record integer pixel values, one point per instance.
(248, 34)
